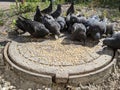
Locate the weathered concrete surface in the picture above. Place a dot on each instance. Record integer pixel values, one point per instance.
(45, 79)
(93, 77)
(92, 71)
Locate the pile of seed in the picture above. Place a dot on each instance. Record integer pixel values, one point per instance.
(58, 52)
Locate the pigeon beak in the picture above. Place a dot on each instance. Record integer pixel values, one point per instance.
(103, 45)
(49, 34)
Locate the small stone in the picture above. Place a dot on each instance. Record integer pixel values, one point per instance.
(56, 37)
(43, 87)
(1, 60)
(48, 88)
(0, 87)
(5, 88)
(78, 88)
(39, 89)
(11, 87)
(7, 84)
(2, 80)
(29, 88)
(118, 88)
(1, 49)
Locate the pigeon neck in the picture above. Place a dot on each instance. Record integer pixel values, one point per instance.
(59, 7)
(51, 4)
(38, 12)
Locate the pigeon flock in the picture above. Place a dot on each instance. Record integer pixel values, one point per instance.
(49, 22)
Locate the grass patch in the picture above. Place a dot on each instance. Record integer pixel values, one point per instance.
(1, 17)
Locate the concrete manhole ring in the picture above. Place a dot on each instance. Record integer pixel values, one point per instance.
(60, 61)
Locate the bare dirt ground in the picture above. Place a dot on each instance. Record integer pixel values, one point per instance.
(5, 5)
(11, 81)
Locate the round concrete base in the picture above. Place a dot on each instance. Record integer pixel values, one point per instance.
(59, 61)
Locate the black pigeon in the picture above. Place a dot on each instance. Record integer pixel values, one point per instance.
(74, 19)
(94, 32)
(109, 29)
(119, 8)
(58, 11)
(52, 25)
(36, 29)
(62, 22)
(113, 42)
(38, 15)
(79, 32)
(71, 9)
(48, 10)
(94, 24)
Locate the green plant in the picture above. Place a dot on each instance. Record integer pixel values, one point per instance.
(32, 0)
(103, 3)
(25, 8)
(58, 1)
(28, 6)
(17, 4)
(14, 21)
(1, 46)
(27, 15)
(1, 13)
(1, 22)
(1, 17)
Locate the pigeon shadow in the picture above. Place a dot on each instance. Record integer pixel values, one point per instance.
(105, 51)
(68, 40)
(14, 36)
(91, 43)
(3, 43)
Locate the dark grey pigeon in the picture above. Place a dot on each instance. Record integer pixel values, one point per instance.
(113, 42)
(36, 29)
(38, 15)
(49, 9)
(58, 11)
(79, 32)
(52, 25)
